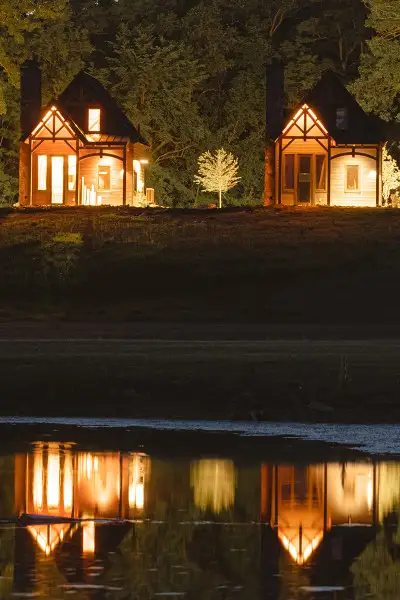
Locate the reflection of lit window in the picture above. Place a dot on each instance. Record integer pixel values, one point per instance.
(137, 470)
(88, 541)
(72, 172)
(104, 179)
(53, 480)
(352, 178)
(42, 172)
(94, 119)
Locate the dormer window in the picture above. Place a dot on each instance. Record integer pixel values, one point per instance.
(342, 118)
(94, 120)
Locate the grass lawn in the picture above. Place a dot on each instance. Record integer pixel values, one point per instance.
(317, 265)
(320, 266)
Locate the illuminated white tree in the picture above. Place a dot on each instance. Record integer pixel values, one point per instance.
(390, 174)
(217, 172)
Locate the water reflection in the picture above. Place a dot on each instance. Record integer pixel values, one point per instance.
(134, 526)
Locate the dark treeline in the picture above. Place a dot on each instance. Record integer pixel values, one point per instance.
(191, 73)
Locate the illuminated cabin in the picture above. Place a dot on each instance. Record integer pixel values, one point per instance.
(80, 149)
(326, 151)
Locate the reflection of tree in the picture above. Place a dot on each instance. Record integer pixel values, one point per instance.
(213, 483)
(292, 577)
(190, 559)
(377, 570)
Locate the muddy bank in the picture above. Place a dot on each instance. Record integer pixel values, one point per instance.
(273, 381)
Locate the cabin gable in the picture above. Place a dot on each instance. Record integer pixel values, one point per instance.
(329, 152)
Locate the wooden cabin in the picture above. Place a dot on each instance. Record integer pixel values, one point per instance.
(80, 149)
(326, 151)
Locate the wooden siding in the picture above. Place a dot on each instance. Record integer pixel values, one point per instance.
(367, 194)
(24, 174)
(89, 171)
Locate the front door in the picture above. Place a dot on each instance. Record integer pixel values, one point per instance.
(57, 179)
(304, 178)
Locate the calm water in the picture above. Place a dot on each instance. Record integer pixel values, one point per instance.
(140, 523)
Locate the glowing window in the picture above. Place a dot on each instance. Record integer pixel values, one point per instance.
(104, 178)
(42, 172)
(72, 172)
(352, 178)
(289, 171)
(94, 119)
(320, 163)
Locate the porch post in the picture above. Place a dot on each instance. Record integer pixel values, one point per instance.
(78, 179)
(30, 171)
(328, 196)
(280, 172)
(378, 175)
(124, 179)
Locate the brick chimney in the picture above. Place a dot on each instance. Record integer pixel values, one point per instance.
(31, 96)
(274, 122)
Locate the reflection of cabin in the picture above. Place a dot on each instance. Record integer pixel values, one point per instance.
(327, 150)
(54, 481)
(80, 149)
(303, 503)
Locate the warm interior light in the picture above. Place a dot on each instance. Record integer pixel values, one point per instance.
(144, 161)
(137, 167)
(68, 482)
(42, 172)
(293, 545)
(94, 119)
(57, 179)
(372, 174)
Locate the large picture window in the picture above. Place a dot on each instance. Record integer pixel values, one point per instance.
(352, 178)
(320, 171)
(288, 180)
(42, 172)
(104, 178)
(94, 119)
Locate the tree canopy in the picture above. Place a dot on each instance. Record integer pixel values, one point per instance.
(191, 73)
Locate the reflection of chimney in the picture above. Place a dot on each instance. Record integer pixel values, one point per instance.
(274, 122)
(31, 96)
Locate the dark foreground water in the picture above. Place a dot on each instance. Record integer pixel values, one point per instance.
(139, 515)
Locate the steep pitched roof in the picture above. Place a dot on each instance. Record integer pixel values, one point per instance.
(85, 91)
(330, 94)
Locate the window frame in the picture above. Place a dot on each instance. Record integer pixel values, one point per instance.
(344, 118)
(39, 188)
(284, 186)
(94, 108)
(346, 189)
(104, 189)
(323, 170)
(69, 173)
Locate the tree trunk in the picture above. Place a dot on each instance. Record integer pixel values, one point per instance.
(269, 175)
(220, 199)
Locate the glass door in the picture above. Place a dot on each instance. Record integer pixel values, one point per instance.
(304, 178)
(57, 179)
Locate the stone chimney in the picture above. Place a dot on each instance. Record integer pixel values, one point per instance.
(274, 123)
(31, 96)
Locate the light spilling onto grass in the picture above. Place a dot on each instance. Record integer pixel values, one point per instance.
(213, 482)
